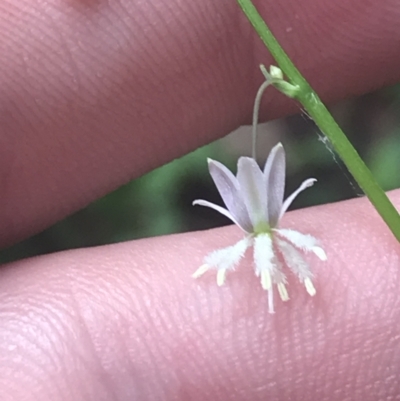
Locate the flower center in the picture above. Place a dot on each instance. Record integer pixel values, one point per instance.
(262, 228)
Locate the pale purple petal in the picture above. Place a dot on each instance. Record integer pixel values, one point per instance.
(228, 188)
(253, 188)
(274, 172)
(219, 209)
(306, 184)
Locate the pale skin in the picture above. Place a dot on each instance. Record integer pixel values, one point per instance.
(95, 93)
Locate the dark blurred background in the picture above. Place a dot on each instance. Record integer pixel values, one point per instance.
(160, 202)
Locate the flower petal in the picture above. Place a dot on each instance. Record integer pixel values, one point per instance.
(305, 242)
(274, 172)
(293, 259)
(306, 184)
(227, 258)
(264, 265)
(224, 259)
(278, 275)
(263, 254)
(228, 188)
(201, 202)
(253, 188)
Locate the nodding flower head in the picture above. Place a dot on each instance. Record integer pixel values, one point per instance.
(254, 202)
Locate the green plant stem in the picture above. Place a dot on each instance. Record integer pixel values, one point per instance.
(319, 113)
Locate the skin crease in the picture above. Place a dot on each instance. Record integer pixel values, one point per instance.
(95, 93)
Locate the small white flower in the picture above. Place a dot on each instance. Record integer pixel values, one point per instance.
(254, 202)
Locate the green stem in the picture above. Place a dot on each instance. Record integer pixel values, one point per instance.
(319, 113)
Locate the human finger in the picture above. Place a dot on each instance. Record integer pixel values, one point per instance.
(127, 321)
(96, 93)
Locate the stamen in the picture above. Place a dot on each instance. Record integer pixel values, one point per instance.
(221, 273)
(310, 286)
(271, 301)
(200, 271)
(283, 292)
(320, 253)
(266, 282)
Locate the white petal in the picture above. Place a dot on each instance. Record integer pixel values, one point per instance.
(253, 188)
(294, 260)
(278, 275)
(228, 258)
(264, 265)
(228, 188)
(306, 184)
(224, 259)
(280, 280)
(305, 242)
(263, 254)
(274, 172)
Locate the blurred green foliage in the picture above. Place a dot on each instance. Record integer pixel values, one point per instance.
(160, 202)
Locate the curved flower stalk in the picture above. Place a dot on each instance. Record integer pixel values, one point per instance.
(254, 202)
